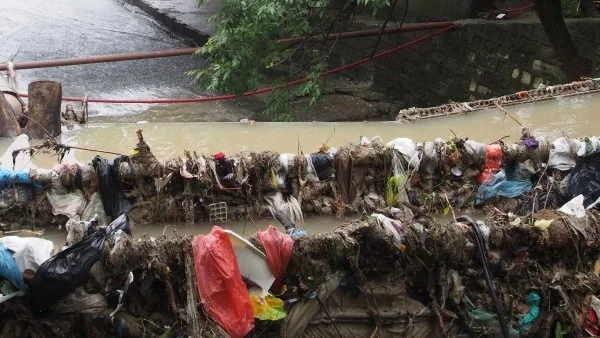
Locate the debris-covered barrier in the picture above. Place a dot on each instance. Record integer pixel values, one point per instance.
(374, 277)
(540, 94)
(415, 178)
(531, 268)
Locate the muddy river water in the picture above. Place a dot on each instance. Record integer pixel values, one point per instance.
(573, 116)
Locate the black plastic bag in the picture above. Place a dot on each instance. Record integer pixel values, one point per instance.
(585, 179)
(62, 273)
(114, 200)
(323, 164)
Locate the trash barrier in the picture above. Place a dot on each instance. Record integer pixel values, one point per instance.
(62, 273)
(222, 291)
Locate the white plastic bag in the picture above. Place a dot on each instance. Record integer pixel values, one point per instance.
(29, 252)
(408, 149)
(65, 203)
(563, 154)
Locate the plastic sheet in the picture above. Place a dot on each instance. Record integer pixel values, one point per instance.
(278, 248)
(28, 252)
(79, 301)
(408, 150)
(563, 154)
(392, 226)
(289, 206)
(9, 269)
(70, 268)
(94, 208)
(222, 291)
(498, 185)
(311, 172)
(64, 202)
(22, 160)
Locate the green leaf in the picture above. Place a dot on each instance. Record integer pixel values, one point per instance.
(447, 209)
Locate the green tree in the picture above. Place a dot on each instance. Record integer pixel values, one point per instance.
(246, 51)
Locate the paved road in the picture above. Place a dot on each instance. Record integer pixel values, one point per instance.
(41, 29)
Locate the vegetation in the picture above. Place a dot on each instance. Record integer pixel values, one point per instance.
(246, 47)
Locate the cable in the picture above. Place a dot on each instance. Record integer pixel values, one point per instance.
(480, 250)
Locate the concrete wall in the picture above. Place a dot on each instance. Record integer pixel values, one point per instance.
(479, 59)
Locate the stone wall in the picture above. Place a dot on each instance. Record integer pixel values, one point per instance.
(479, 59)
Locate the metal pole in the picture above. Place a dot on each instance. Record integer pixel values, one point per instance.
(189, 51)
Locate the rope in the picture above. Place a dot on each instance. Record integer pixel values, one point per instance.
(267, 89)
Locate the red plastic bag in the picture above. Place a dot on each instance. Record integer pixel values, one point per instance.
(493, 161)
(278, 248)
(222, 290)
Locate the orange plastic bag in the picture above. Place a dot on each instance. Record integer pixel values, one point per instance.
(222, 290)
(278, 248)
(493, 161)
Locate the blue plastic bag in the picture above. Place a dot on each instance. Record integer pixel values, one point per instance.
(9, 269)
(9, 177)
(499, 185)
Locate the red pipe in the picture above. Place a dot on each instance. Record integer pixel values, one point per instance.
(188, 51)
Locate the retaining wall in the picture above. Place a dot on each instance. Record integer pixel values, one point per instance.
(479, 59)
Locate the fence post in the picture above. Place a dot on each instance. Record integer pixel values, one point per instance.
(44, 108)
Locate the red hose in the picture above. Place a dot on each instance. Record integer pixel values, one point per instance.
(264, 90)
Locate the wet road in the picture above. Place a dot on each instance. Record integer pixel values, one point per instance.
(41, 29)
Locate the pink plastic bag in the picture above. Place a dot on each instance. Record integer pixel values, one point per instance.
(278, 248)
(222, 290)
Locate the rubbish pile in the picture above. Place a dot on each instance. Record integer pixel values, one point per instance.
(530, 268)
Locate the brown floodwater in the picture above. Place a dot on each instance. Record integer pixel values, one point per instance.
(312, 225)
(574, 116)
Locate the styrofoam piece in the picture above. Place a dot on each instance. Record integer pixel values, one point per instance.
(252, 262)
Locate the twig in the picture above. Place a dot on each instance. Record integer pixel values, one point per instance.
(450, 205)
(391, 11)
(507, 113)
(256, 226)
(374, 334)
(440, 320)
(333, 132)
